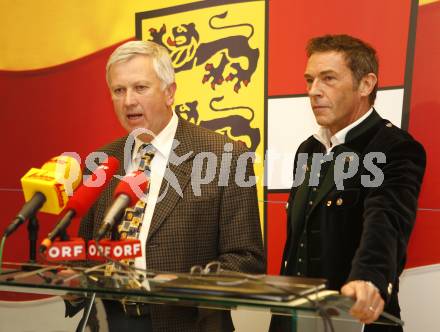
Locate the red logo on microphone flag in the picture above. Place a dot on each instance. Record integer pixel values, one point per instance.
(72, 250)
(118, 250)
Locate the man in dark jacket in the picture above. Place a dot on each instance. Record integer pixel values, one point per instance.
(350, 218)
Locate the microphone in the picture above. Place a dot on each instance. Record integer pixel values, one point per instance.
(83, 199)
(126, 194)
(45, 189)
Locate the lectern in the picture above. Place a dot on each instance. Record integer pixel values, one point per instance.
(310, 306)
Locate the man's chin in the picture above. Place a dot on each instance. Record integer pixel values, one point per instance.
(140, 132)
(138, 127)
(322, 121)
(146, 137)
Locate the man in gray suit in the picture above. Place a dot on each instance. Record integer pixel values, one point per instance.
(188, 220)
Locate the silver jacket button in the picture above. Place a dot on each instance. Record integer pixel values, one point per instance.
(390, 288)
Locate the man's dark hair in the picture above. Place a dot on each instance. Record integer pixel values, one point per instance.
(361, 58)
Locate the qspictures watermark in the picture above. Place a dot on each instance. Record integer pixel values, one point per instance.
(208, 167)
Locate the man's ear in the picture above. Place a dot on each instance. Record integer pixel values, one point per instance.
(170, 91)
(367, 84)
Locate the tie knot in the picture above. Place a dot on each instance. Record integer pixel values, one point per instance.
(146, 148)
(146, 154)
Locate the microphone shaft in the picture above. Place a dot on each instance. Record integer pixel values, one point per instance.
(62, 225)
(27, 211)
(114, 213)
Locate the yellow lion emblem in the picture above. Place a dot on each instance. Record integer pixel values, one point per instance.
(187, 52)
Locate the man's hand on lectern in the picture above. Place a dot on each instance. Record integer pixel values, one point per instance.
(368, 303)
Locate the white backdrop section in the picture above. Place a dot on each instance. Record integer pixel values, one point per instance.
(419, 298)
(45, 315)
(291, 121)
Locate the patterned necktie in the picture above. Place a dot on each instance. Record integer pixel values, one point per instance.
(131, 223)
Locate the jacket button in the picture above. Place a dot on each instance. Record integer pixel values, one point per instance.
(390, 288)
(329, 203)
(349, 159)
(339, 201)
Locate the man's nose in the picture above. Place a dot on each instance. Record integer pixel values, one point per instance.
(130, 98)
(315, 89)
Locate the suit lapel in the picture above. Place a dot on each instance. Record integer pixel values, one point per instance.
(301, 195)
(328, 183)
(176, 178)
(352, 138)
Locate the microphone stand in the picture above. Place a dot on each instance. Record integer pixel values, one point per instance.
(87, 309)
(33, 228)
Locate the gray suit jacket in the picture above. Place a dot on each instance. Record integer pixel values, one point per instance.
(222, 223)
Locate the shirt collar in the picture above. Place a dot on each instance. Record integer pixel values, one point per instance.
(323, 134)
(163, 141)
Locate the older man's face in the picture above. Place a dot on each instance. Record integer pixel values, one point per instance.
(334, 96)
(139, 99)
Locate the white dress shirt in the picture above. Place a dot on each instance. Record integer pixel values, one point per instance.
(324, 136)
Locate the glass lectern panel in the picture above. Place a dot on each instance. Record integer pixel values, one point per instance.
(303, 303)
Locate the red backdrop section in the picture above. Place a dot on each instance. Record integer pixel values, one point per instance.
(384, 24)
(276, 230)
(424, 120)
(48, 112)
